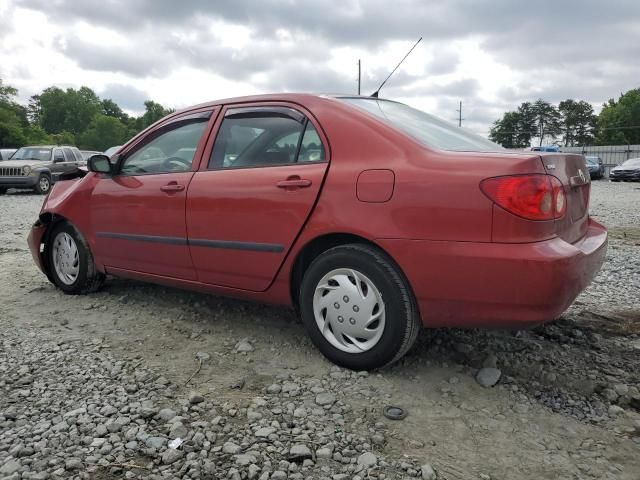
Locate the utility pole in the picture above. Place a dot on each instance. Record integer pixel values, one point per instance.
(459, 110)
(359, 76)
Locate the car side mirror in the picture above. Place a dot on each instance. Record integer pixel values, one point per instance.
(99, 164)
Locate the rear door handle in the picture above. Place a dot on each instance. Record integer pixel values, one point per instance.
(294, 182)
(172, 187)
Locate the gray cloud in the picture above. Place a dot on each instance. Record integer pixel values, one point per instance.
(585, 49)
(445, 61)
(128, 97)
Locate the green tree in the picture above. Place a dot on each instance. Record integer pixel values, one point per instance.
(618, 121)
(13, 118)
(527, 127)
(153, 112)
(547, 120)
(112, 109)
(103, 132)
(35, 135)
(34, 110)
(11, 131)
(70, 110)
(7, 93)
(578, 122)
(506, 131)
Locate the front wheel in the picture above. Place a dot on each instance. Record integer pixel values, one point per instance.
(70, 262)
(358, 307)
(44, 184)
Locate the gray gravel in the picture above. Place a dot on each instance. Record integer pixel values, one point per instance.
(71, 408)
(98, 386)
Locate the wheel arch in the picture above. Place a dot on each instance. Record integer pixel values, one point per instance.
(50, 220)
(320, 244)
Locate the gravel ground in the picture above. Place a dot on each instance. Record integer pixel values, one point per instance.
(103, 386)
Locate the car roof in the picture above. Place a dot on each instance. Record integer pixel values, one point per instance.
(300, 98)
(49, 146)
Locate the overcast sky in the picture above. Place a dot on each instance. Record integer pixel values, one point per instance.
(492, 55)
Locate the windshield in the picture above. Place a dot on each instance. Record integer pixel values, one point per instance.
(427, 129)
(633, 162)
(592, 160)
(32, 153)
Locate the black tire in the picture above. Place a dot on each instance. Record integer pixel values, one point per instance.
(44, 184)
(402, 321)
(88, 279)
(3, 191)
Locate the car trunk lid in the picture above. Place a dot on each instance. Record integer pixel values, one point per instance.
(573, 173)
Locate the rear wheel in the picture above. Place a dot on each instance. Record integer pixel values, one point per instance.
(44, 184)
(3, 191)
(70, 262)
(358, 308)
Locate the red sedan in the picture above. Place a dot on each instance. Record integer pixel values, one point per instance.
(371, 218)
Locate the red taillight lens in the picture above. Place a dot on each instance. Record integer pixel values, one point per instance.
(535, 197)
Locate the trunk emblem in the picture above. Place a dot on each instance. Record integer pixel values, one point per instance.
(551, 166)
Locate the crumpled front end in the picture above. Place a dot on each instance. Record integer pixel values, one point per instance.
(34, 240)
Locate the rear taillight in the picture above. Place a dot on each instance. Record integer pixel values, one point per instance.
(534, 197)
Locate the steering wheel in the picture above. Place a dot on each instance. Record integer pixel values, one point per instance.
(172, 161)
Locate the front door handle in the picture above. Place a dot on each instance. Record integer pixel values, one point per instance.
(293, 183)
(172, 187)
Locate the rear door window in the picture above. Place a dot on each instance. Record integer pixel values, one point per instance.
(68, 155)
(311, 148)
(263, 137)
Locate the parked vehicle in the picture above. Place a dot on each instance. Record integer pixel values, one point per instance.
(416, 222)
(5, 153)
(628, 171)
(595, 166)
(86, 154)
(38, 167)
(111, 150)
(546, 148)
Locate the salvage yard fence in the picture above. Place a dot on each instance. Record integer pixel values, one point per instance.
(611, 155)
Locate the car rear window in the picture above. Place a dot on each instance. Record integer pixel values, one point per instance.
(427, 129)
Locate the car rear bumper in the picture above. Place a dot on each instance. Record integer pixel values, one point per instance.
(27, 181)
(34, 240)
(468, 284)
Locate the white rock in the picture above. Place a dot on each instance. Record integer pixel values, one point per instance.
(427, 472)
(231, 448)
(367, 460)
(325, 398)
(300, 450)
(488, 376)
(244, 346)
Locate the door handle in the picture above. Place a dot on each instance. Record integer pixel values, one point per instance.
(294, 182)
(172, 187)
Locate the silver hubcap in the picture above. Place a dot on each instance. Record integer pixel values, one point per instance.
(349, 310)
(66, 260)
(44, 184)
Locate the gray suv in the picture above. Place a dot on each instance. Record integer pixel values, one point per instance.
(38, 167)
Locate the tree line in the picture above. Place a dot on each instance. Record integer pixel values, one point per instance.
(70, 117)
(570, 123)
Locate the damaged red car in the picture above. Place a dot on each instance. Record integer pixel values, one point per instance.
(371, 218)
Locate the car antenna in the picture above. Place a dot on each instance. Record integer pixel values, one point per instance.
(377, 92)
